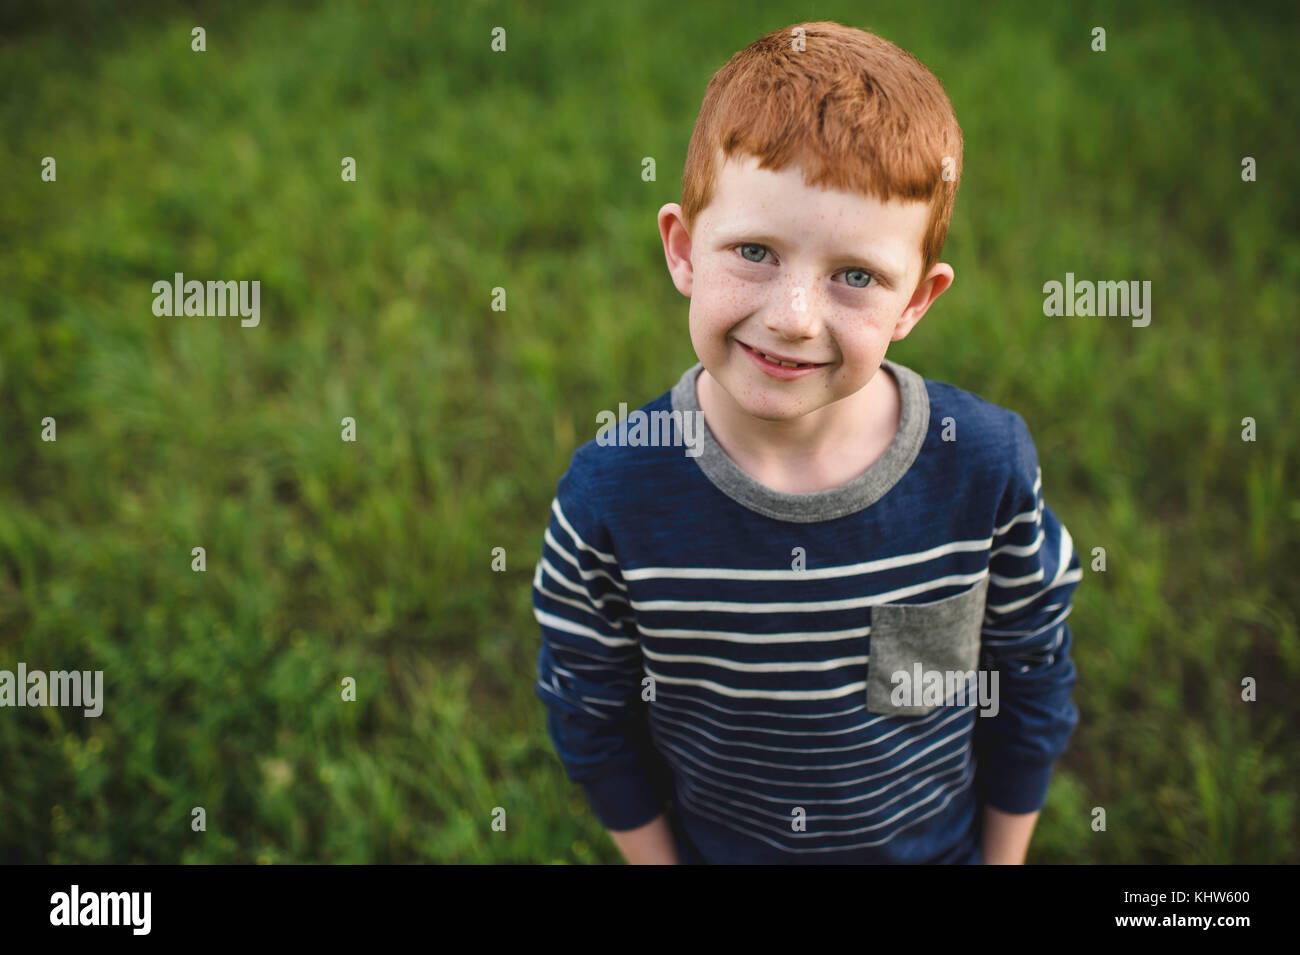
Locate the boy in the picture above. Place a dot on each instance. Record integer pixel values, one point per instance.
(832, 627)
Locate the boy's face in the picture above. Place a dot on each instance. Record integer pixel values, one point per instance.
(819, 277)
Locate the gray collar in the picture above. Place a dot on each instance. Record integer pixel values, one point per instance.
(861, 492)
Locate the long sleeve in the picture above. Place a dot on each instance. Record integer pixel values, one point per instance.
(590, 668)
(1033, 571)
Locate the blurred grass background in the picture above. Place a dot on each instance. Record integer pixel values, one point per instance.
(522, 170)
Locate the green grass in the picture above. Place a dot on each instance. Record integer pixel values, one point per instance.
(522, 170)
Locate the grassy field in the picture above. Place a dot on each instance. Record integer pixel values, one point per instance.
(522, 170)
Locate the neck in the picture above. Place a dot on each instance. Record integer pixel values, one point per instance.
(822, 449)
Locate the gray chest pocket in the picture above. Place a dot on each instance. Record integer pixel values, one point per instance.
(942, 636)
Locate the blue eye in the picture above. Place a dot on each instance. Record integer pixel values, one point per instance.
(761, 252)
(866, 278)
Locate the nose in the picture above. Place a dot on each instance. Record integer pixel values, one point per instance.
(799, 316)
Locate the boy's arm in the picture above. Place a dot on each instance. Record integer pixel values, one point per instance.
(589, 676)
(1006, 836)
(651, 844)
(1033, 572)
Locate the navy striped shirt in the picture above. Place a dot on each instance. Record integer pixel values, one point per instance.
(737, 655)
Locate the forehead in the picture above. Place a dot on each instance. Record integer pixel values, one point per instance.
(746, 197)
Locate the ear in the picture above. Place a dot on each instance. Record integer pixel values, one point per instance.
(934, 284)
(677, 247)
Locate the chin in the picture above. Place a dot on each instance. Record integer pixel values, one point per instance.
(781, 409)
(763, 416)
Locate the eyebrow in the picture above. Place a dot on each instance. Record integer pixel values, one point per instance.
(885, 272)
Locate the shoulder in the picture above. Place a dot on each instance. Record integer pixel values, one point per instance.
(987, 436)
(625, 458)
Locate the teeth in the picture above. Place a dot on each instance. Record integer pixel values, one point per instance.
(783, 364)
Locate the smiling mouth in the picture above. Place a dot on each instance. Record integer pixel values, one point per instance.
(779, 362)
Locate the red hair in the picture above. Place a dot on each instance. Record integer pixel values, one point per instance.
(856, 112)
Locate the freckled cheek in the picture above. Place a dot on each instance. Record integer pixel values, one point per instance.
(860, 342)
(719, 302)
(870, 328)
(855, 339)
